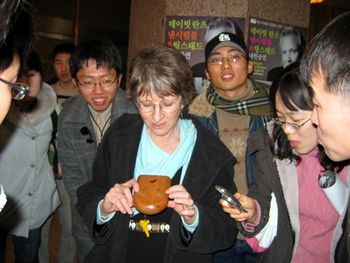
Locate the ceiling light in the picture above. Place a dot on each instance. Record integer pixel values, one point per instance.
(316, 1)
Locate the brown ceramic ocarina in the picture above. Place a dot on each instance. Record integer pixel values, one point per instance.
(151, 199)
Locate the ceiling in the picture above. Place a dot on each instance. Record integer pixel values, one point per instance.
(344, 4)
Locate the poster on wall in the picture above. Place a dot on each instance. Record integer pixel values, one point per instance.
(189, 34)
(273, 46)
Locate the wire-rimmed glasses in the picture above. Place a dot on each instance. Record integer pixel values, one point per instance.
(291, 125)
(18, 90)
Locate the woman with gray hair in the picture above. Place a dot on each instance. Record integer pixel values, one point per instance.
(159, 141)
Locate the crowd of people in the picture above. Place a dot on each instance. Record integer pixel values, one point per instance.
(81, 146)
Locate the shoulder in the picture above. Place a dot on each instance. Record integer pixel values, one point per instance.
(121, 97)
(125, 130)
(73, 102)
(127, 123)
(73, 109)
(121, 94)
(261, 86)
(47, 97)
(258, 140)
(122, 104)
(200, 106)
(273, 73)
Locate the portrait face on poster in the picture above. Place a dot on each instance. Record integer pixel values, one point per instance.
(273, 46)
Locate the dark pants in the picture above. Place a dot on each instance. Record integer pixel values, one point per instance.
(240, 252)
(25, 248)
(84, 242)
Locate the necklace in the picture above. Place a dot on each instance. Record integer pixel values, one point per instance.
(102, 131)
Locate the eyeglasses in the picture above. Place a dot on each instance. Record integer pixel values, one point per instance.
(105, 83)
(18, 90)
(293, 126)
(165, 106)
(231, 58)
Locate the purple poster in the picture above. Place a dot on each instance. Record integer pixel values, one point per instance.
(273, 46)
(188, 34)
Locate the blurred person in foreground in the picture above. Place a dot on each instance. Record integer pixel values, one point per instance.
(160, 140)
(16, 39)
(325, 68)
(25, 171)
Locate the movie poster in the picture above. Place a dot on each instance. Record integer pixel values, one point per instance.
(273, 46)
(189, 35)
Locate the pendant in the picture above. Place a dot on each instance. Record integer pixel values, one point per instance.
(144, 225)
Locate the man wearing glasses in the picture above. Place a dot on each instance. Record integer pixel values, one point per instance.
(233, 107)
(96, 67)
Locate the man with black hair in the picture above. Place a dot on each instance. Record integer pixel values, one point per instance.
(233, 107)
(96, 67)
(64, 85)
(325, 68)
(64, 88)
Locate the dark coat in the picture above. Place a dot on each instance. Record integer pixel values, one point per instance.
(269, 180)
(77, 150)
(211, 163)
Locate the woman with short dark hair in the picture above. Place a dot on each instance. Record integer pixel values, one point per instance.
(292, 216)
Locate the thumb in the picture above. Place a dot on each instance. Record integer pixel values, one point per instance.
(238, 195)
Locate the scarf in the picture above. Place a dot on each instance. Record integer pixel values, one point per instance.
(258, 105)
(152, 160)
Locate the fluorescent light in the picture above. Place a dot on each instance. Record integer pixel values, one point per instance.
(316, 1)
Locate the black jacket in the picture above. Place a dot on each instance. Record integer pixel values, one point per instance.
(211, 163)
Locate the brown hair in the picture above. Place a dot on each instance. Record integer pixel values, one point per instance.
(161, 70)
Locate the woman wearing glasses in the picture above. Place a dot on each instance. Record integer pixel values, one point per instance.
(25, 171)
(158, 141)
(290, 216)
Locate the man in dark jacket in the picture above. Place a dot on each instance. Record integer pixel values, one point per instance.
(96, 67)
(233, 107)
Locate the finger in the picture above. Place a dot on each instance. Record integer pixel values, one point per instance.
(175, 188)
(124, 190)
(171, 204)
(239, 218)
(188, 212)
(224, 203)
(118, 197)
(231, 210)
(132, 184)
(126, 194)
(238, 195)
(179, 194)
